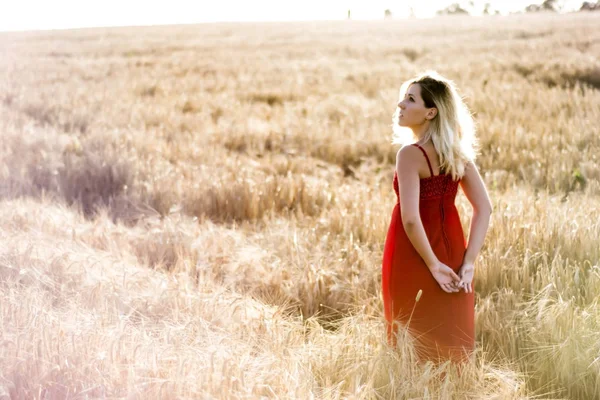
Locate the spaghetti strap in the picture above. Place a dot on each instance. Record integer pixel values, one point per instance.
(426, 158)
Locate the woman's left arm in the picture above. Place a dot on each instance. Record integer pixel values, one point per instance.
(476, 193)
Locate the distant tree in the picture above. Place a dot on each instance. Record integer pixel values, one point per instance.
(533, 8)
(488, 10)
(589, 6)
(412, 13)
(349, 14)
(453, 9)
(547, 5)
(550, 5)
(387, 14)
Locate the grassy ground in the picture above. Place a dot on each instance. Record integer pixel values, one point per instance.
(199, 211)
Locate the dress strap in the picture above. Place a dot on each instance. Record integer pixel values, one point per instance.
(426, 158)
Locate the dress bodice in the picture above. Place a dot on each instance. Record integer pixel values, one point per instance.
(433, 187)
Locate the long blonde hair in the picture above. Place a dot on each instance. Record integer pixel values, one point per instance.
(452, 130)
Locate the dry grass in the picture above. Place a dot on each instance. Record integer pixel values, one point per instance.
(199, 211)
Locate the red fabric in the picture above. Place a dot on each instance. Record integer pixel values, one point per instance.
(441, 323)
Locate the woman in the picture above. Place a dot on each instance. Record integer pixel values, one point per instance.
(427, 275)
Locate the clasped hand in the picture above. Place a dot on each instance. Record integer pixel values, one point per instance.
(449, 281)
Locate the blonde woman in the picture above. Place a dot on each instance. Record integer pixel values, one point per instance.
(428, 268)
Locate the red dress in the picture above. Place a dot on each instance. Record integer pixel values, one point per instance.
(441, 323)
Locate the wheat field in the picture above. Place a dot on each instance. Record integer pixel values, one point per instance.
(199, 211)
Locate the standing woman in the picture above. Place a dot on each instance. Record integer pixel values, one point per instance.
(428, 268)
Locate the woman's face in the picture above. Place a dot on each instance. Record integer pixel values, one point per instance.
(412, 110)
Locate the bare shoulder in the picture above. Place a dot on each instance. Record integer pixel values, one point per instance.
(407, 154)
(407, 160)
(471, 169)
(471, 174)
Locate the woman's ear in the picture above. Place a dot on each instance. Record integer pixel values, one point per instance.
(432, 113)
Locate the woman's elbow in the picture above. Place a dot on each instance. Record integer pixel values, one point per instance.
(484, 209)
(409, 224)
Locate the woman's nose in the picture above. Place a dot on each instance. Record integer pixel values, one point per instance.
(401, 105)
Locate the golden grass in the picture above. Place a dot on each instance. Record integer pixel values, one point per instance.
(199, 211)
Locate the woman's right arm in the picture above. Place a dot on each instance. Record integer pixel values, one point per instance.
(474, 188)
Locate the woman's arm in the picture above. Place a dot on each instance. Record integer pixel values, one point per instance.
(407, 160)
(474, 189)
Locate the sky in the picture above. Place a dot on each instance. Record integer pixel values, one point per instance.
(66, 14)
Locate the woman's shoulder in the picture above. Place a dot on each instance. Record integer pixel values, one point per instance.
(408, 151)
(408, 159)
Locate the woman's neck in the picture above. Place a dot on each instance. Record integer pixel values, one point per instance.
(420, 132)
(422, 137)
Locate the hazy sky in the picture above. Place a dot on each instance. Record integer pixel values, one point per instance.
(60, 14)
